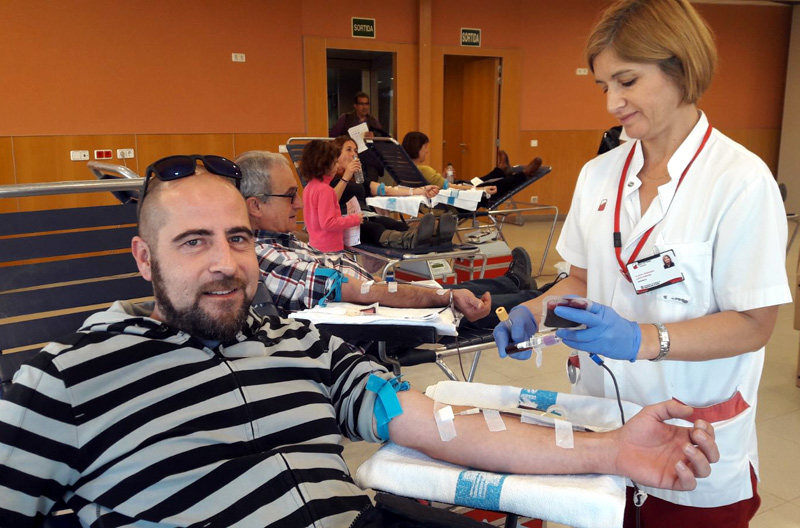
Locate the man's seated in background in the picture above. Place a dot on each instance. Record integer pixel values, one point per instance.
(291, 269)
(196, 411)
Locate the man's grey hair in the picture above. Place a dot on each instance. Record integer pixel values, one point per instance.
(257, 167)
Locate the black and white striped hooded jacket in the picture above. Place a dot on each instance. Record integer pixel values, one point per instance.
(136, 424)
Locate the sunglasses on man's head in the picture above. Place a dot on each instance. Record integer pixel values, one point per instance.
(177, 167)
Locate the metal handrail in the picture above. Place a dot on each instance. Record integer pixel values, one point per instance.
(100, 169)
(130, 181)
(69, 187)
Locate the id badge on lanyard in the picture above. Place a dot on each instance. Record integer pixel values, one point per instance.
(654, 272)
(648, 277)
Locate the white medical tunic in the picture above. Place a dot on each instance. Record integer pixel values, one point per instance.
(727, 227)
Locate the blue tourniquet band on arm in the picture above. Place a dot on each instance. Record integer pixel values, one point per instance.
(382, 189)
(333, 284)
(446, 185)
(387, 405)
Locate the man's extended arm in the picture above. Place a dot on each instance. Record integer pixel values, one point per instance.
(646, 450)
(410, 296)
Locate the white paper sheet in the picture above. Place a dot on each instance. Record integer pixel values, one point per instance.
(357, 133)
(444, 320)
(462, 199)
(408, 205)
(352, 235)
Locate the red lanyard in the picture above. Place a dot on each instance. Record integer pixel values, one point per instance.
(643, 240)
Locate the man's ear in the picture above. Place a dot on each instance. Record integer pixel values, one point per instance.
(252, 207)
(141, 253)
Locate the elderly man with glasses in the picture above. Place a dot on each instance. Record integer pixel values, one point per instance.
(196, 411)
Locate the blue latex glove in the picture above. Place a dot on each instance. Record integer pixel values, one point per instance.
(606, 333)
(519, 326)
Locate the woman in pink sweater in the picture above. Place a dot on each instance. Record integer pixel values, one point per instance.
(323, 218)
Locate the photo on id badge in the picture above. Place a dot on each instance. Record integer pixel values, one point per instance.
(662, 269)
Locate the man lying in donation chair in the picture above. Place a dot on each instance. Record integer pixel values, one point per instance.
(196, 411)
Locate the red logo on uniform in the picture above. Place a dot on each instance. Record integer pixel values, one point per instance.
(602, 205)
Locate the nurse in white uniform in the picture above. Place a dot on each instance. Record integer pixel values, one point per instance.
(696, 330)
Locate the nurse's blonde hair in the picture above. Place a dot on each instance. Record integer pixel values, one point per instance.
(669, 33)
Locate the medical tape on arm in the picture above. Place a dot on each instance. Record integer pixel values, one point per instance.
(445, 421)
(494, 421)
(387, 404)
(565, 437)
(450, 303)
(333, 284)
(365, 286)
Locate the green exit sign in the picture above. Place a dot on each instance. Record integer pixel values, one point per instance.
(363, 27)
(471, 37)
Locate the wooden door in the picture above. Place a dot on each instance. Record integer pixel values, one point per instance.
(453, 113)
(480, 116)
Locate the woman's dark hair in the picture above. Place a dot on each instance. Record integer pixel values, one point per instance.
(317, 159)
(413, 142)
(339, 144)
(340, 141)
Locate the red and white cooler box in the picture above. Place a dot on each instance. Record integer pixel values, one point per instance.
(498, 258)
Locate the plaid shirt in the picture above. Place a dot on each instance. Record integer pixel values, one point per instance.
(288, 267)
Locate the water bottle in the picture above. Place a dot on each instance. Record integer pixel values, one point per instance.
(358, 175)
(449, 172)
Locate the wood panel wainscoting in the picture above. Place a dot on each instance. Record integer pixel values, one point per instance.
(37, 159)
(564, 150)
(568, 150)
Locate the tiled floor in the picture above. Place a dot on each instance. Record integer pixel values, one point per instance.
(779, 400)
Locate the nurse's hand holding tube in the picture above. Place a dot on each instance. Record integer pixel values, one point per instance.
(606, 333)
(519, 326)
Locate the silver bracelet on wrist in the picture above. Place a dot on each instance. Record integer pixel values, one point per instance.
(663, 342)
